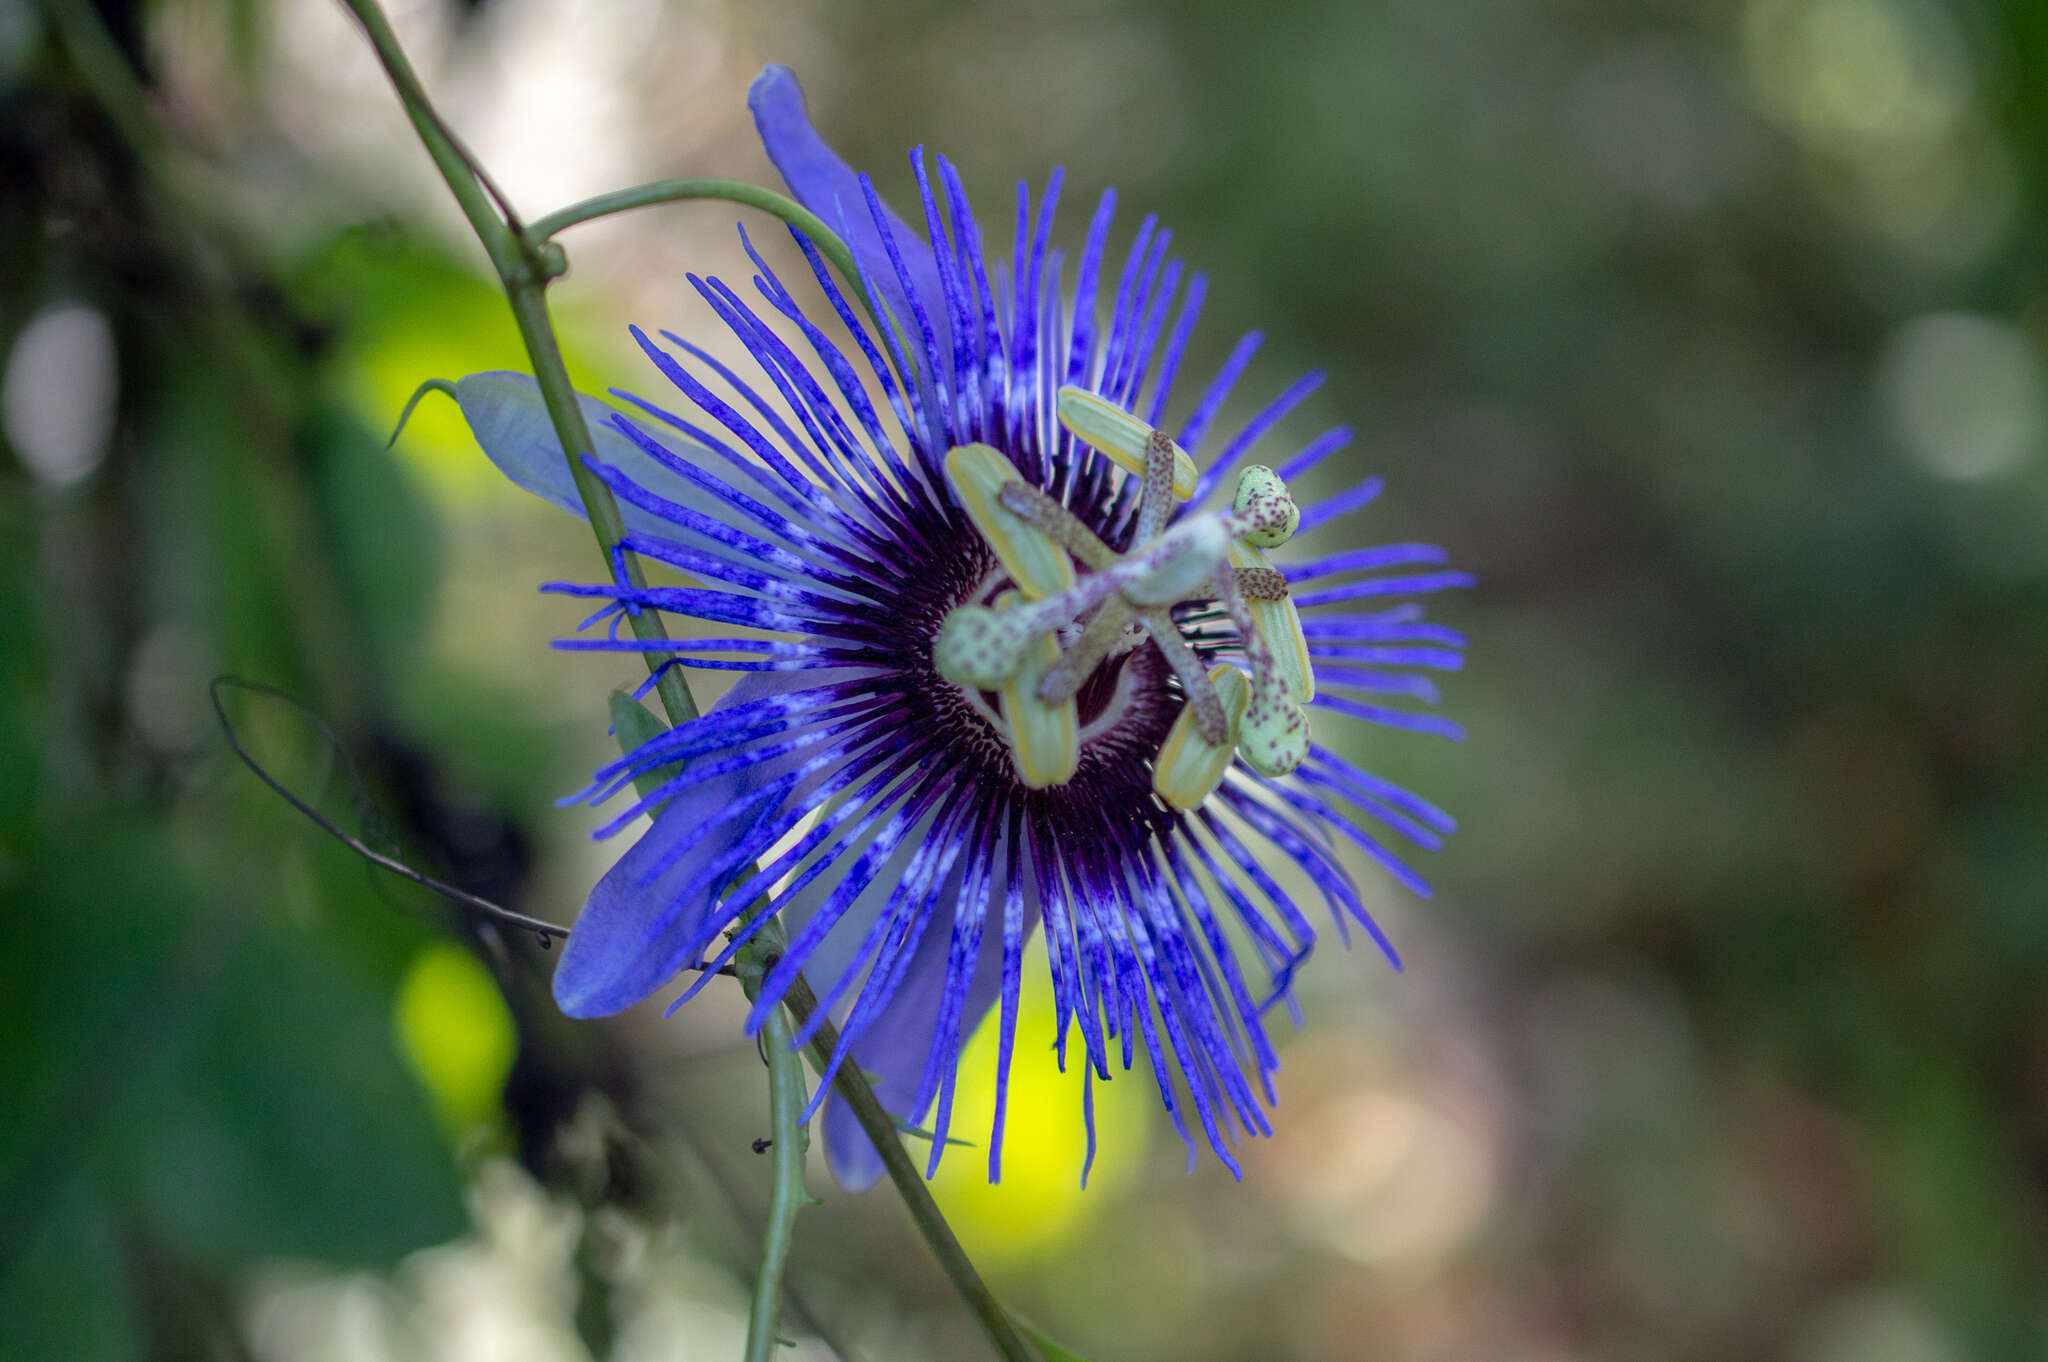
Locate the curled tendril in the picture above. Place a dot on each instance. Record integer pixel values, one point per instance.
(544, 932)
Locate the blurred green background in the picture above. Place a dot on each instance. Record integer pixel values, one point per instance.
(1711, 336)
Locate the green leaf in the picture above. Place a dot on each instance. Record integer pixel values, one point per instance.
(511, 424)
(919, 1133)
(106, 920)
(634, 726)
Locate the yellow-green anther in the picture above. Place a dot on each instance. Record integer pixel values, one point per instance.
(1045, 738)
(1189, 767)
(1033, 558)
(1273, 738)
(1280, 624)
(1122, 437)
(979, 649)
(1262, 500)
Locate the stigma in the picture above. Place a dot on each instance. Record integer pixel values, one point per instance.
(1067, 605)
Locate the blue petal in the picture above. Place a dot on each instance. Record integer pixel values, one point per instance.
(828, 187)
(1269, 416)
(650, 914)
(848, 1152)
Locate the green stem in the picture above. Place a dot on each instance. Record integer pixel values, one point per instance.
(917, 1197)
(524, 269)
(633, 726)
(732, 191)
(673, 191)
(787, 1097)
(530, 309)
(456, 165)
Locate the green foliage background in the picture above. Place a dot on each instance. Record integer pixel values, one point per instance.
(1745, 933)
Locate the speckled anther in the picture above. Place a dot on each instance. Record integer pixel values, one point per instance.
(1066, 528)
(1263, 503)
(1273, 739)
(1274, 616)
(1262, 583)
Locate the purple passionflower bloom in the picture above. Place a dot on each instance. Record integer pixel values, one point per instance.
(1009, 654)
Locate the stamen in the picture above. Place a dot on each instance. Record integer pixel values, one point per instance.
(1037, 509)
(1063, 525)
(1274, 617)
(1045, 736)
(1155, 505)
(1190, 764)
(1164, 573)
(1261, 583)
(1273, 738)
(1122, 437)
(1015, 650)
(1202, 698)
(1035, 561)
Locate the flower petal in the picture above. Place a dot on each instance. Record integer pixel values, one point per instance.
(648, 916)
(826, 185)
